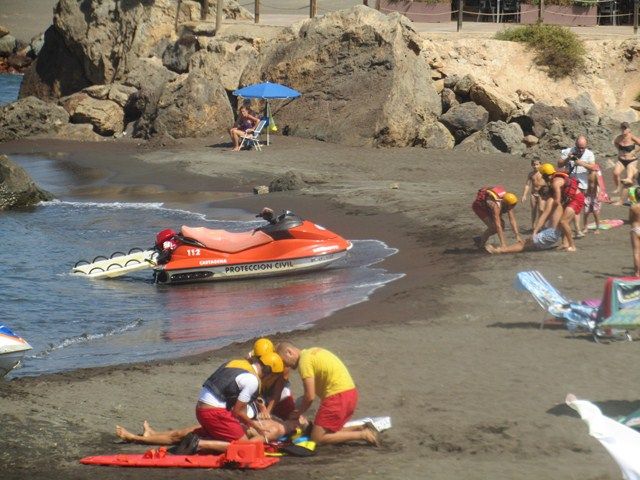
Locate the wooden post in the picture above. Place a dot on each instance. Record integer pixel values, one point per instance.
(540, 10)
(312, 8)
(635, 17)
(460, 5)
(204, 11)
(219, 7)
(256, 11)
(378, 5)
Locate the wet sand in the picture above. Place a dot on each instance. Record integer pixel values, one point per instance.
(451, 352)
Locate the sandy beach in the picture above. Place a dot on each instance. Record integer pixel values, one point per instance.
(450, 351)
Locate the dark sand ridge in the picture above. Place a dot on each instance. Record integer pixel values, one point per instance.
(450, 351)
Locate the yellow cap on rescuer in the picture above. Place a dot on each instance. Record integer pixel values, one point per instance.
(273, 361)
(547, 169)
(262, 346)
(510, 198)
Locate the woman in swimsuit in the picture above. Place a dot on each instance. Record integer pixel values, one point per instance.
(627, 145)
(245, 123)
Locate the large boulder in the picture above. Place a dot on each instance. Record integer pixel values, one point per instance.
(477, 142)
(363, 76)
(3, 31)
(226, 58)
(506, 137)
(192, 105)
(499, 106)
(176, 56)
(584, 107)
(30, 116)
(106, 116)
(56, 72)
(541, 116)
(464, 119)
(17, 189)
(288, 181)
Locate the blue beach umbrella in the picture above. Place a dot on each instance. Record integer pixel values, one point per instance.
(267, 91)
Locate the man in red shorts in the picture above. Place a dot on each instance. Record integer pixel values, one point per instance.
(325, 376)
(566, 201)
(222, 405)
(489, 205)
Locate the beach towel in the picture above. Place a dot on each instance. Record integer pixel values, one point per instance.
(606, 224)
(622, 443)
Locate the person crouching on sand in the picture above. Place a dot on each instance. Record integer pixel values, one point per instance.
(490, 204)
(324, 375)
(566, 200)
(275, 398)
(634, 220)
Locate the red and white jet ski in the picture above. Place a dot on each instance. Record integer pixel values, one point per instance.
(286, 244)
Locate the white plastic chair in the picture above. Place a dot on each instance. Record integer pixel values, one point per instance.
(253, 138)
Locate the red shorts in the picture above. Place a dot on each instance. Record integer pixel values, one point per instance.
(336, 410)
(480, 209)
(576, 203)
(220, 424)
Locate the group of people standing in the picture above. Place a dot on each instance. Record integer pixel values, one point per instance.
(561, 196)
(250, 399)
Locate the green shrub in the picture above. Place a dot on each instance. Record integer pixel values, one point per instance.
(558, 48)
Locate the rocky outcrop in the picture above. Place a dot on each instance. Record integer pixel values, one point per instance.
(106, 116)
(56, 72)
(17, 189)
(7, 45)
(289, 181)
(30, 116)
(499, 106)
(363, 78)
(464, 119)
(192, 105)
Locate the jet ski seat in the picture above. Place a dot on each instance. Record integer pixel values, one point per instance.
(224, 241)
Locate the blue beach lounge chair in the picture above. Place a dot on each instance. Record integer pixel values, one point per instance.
(613, 317)
(253, 138)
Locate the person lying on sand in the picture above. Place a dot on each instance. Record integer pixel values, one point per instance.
(543, 240)
(489, 205)
(323, 374)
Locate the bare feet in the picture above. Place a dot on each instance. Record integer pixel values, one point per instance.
(125, 434)
(571, 249)
(490, 248)
(596, 231)
(147, 430)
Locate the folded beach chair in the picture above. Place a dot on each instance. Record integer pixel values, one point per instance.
(253, 138)
(574, 315)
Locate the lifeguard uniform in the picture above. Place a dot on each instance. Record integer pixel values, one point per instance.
(286, 404)
(571, 197)
(479, 205)
(333, 384)
(232, 381)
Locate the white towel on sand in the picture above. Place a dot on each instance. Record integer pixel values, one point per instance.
(622, 443)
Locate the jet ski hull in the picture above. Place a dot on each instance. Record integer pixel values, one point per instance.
(219, 269)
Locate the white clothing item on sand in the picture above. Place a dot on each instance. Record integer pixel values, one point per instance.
(380, 424)
(622, 443)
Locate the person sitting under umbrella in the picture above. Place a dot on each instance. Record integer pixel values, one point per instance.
(245, 123)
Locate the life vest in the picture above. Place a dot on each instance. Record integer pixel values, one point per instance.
(570, 187)
(222, 383)
(493, 193)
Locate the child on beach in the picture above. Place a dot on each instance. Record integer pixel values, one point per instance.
(532, 191)
(592, 202)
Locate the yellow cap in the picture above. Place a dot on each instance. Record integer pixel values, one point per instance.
(262, 346)
(510, 198)
(547, 169)
(273, 361)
